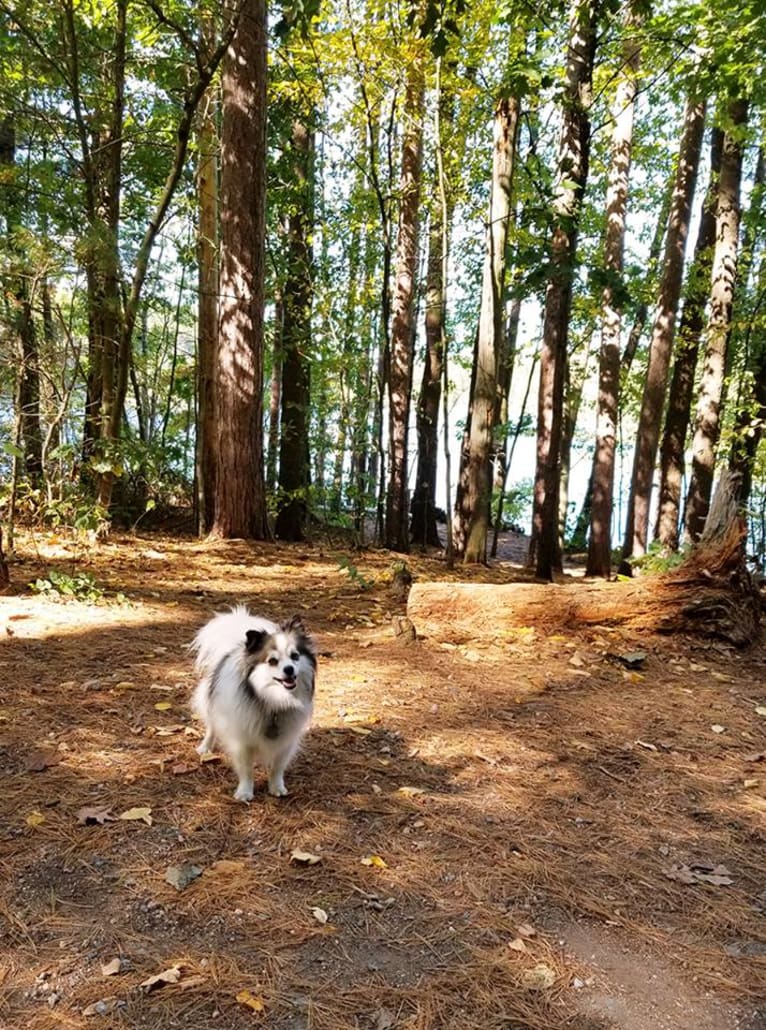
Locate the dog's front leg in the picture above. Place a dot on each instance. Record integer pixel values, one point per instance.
(242, 760)
(276, 772)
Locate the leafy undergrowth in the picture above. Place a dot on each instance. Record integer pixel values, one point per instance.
(458, 814)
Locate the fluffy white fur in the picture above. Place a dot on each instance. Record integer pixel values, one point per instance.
(255, 693)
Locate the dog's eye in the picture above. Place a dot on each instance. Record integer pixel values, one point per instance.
(273, 660)
(295, 657)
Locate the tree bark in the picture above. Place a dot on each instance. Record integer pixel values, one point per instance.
(602, 474)
(240, 508)
(571, 177)
(402, 312)
(473, 509)
(708, 421)
(672, 449)
(207, 331)
(294, 468)
(647, 440)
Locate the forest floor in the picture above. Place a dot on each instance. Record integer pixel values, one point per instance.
(537, 829)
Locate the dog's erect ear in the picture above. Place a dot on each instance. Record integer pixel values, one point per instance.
(254, 639)
(293, 625)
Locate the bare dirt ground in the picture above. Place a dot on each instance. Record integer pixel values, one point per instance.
(526, 830)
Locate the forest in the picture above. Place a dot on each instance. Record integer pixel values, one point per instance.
(434, 333)
(331, 263)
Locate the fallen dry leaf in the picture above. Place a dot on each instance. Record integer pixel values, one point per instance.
(111, 968)
(181, 768)
(539, 978)
(39, 761)
(718, 728)
(320, 915)
(180, 876)
(374, 860)
(525, 930)
(35, 818)
(716, 876)
(517, 944)
(167, 976)
(133, 814)
(304, 857)
(89, 816)
(163, 706)
(254, 1002)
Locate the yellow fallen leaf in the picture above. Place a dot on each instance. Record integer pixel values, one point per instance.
(251, 1001)
(35, 818)
(410, 792)
(749, 784)
(144, 814)
(374, 860)
(162, 706)
(359, 730)
(124, 685)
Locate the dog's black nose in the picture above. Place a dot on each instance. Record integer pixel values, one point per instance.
(288, 672)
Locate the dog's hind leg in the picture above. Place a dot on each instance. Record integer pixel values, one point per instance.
(242, 759)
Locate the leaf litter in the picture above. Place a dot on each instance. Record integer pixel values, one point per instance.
(427, 937)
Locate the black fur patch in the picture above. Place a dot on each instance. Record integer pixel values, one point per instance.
(303, 640)
(254, 640)
(214, 678)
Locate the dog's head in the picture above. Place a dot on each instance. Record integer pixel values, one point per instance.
(282, 663)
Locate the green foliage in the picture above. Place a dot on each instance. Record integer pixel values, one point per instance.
(60, 586)
(353, 573)
(658, 559)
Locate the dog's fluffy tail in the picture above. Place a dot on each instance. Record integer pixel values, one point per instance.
(223, 634)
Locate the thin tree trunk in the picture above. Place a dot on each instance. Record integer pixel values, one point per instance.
(403, 309)
(240, 508)
(602, 474)
(637, 526)
(708, 420)
(294, 468)
(571, 177)
(672, 449)
(475, 494)
(207, 322)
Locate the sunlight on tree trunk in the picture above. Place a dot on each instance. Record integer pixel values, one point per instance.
(240, 509)
(647, 440)
(708, 421)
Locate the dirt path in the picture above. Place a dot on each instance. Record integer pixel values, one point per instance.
(502, 829)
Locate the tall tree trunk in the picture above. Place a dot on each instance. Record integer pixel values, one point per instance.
(571, 177)
(475, 485)
(294, 467)
(602, 474)
(637, 527)
(672, 449)
(403, 310)
(751, 413)
(423, 526)
(240, 508)
(20, 286)
(708, 421)
(207, 322)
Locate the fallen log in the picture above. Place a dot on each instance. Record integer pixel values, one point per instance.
(711, 594)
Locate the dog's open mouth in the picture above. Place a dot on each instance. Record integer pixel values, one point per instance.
(288, 684)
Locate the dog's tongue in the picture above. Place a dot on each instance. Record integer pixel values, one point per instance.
(290, 684)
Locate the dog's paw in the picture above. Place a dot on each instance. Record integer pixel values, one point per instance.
(243, 793)
(278, 789)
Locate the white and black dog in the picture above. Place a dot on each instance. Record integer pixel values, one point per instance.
(255, 694)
